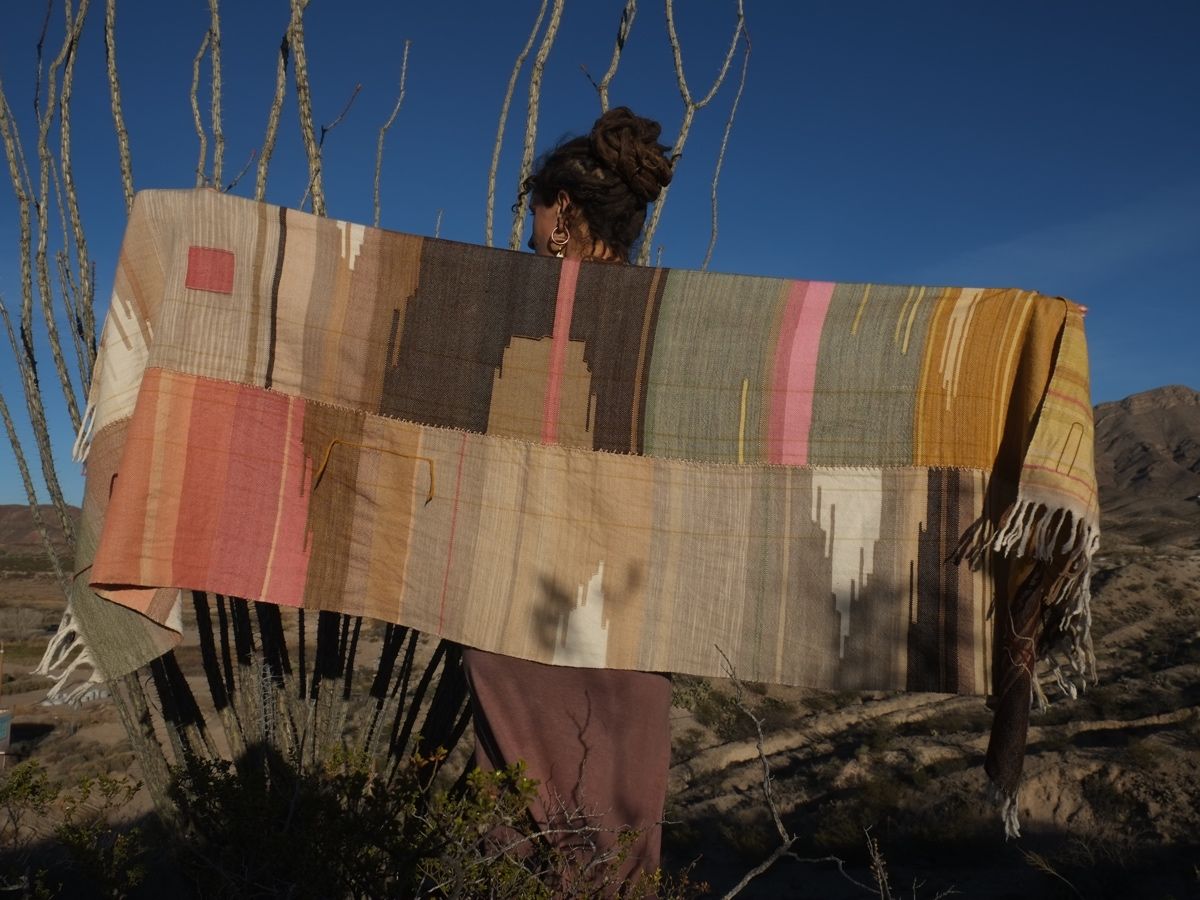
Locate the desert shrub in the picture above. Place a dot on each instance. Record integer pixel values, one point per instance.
(824, 701)
(873, 800)
(49, 833)
(876, 736)
(25, 564)
(756, 687)
(20, 684)
(269, 829)
(751, 838)
(1108, 802)
(686, 746)
(688, 690)
(722, 711)
(110, 859)
(1146, 754)
(775, 713)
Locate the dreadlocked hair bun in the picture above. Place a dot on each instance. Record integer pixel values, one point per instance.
(628, 145)
(610, 175)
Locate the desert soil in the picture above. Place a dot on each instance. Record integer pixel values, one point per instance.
(1112, 788)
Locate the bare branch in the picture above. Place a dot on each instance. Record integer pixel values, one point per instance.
(712, 240)
(30, 493)
(200, 135)
(878, 867)
(214, 59)
(41, 42)
(242, 171)
(780, 852)
(508, 94)
(114, 89)
(690, 106)
(56, 354)
(325, 129)
(386, 125)
(23, 354)
(27, 365)
(86, 280)
(623, 29)
(59, 202)
(786, 838)
(23, 190)
(304, 104)
(531, 118)
(70, 295)
(1043, 865)
(759, 741)
(26, 360)
(264, 159)
(70, 290)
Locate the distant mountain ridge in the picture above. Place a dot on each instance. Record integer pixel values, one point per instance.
(1148, 465)
(19, 534)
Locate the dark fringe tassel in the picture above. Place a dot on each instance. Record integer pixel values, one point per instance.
(1032, 530)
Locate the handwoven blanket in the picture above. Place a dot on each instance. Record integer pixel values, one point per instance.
(585, 464)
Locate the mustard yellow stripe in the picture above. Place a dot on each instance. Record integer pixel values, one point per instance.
(862, 305)
(742, 422)
(901, 316)
(912, 315)
(1023, 310)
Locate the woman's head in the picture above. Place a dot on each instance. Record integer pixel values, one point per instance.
(596, 188)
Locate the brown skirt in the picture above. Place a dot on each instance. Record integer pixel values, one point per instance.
(597, 741)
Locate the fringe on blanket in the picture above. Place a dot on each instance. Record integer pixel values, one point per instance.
(83, 438)
(66, 654)
(1030, 529)
(1033, 530)
(1008, 810)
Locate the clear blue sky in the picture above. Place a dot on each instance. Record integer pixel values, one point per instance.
(1053, 146)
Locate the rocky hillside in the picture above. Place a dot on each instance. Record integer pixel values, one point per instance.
(21, 546)
(1148, 466)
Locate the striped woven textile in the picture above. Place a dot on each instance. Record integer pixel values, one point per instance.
(584, 463)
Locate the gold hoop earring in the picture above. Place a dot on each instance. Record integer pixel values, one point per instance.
(559, 238)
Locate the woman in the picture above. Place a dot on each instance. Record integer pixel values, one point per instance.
(596, 740)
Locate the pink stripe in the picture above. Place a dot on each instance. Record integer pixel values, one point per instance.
(288, 572)
(1087, 484)
(249, 490)
(462, 451)
(796, 371)
(563, 308)
(1072, 400)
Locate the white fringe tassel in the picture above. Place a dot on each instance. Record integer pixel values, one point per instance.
(1031, 529)
(83, 438)
(65, 655)
(1008, 811)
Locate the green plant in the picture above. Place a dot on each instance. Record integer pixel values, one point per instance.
(110, 859)
(269, 828)
(47, 829)
(686, 746)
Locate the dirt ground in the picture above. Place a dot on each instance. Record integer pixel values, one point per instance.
(1109, 806)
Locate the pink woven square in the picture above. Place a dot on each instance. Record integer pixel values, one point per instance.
(210, 270)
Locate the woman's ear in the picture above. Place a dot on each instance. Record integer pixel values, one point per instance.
(563, 200)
